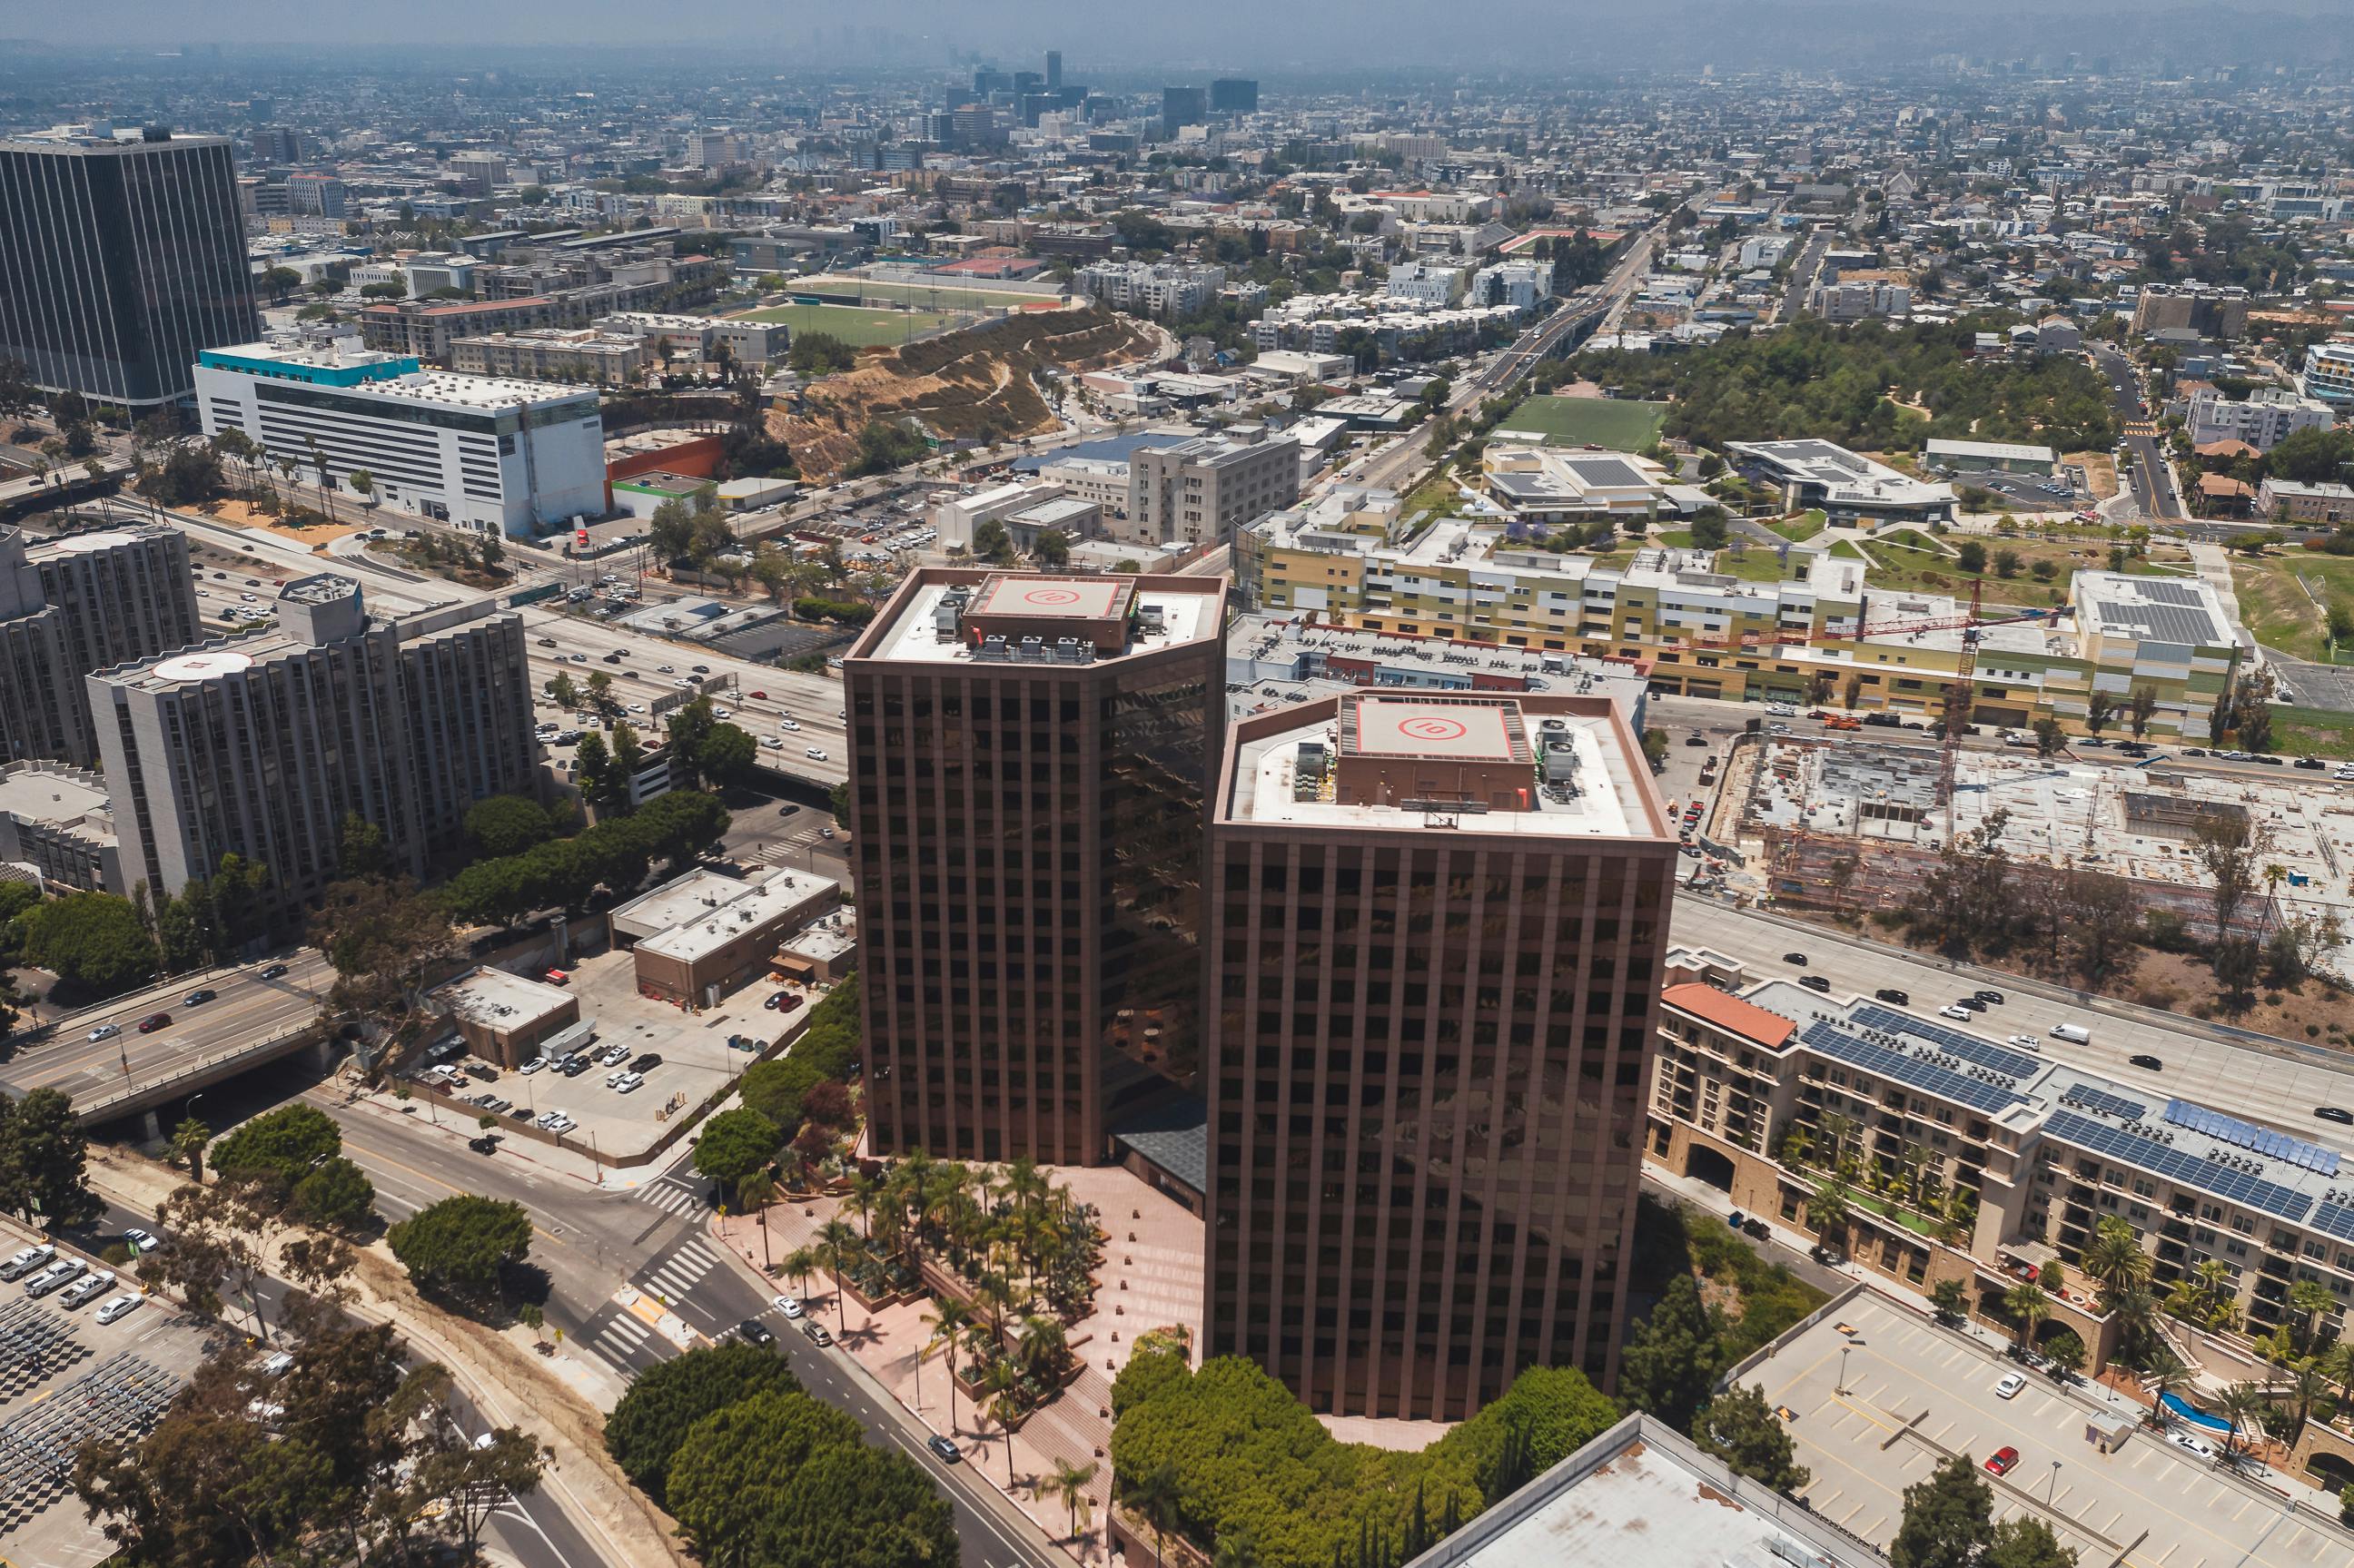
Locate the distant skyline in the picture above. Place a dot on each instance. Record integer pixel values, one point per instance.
(1587, 35)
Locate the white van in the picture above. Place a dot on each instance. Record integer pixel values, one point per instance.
(2074, 1033)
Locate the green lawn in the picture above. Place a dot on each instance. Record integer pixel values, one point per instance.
(856, 327)
(1755, 564)
(2312, 732)
(950, 297)
(1802, 528)
(1626, 427)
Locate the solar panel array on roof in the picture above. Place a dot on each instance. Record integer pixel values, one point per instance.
(2335, 1220)
(2241, 1134)
(2185, 1169)
(1968, 1048)
(2174, 615)
(2104, 1102)
(1604, 470)
(1929, 1077)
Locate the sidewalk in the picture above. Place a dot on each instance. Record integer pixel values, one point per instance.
(1151, 1277)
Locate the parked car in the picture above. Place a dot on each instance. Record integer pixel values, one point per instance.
(121, 1306)
(629, 1084)
(788, 1306)
(2000, 1461)
(645, 1063)
(58, 1275)
(2010, 1385)
(81, 1292)
(25, 1262)
(136, 1241)
(537, 1065)
(816, 1331)
(945, 1448)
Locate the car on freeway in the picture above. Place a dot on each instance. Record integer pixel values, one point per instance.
(2313, 763)
(2027, 1042)
(155, 1021)
(1892, 995)
(1963, 1013)
(2338, 1114)
(1971, 1003)
(272, 972)
(756, 697)
(1797, 958)
(773, 742)
(789, 724)
(199, 998)
(815, 754)
(121, 1306)
(945, 1449)
(1815, 983)
(755, 1332)
(104, 1031)
(485, 1144)
(2148, 1064)
(700, 669)
(2010, 1385)
(547, 643)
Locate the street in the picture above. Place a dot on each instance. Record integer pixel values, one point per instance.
(2149, 477)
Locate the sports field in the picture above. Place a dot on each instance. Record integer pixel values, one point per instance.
(928, 296)
(1622, 427)
(859, 328)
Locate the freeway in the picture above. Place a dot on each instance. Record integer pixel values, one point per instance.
(248, 1011)
(2147, 474)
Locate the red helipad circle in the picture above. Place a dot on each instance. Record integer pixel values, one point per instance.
(1051, 595)
(1434, 730)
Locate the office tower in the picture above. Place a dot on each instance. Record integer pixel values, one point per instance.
(119, 260)
(1028, 754)
(81, 602)
(316, 196)
(1436, 931)
(1054, 69)
(277, 144)
(259, 746)
(1198, 492)
(1233, 95)
(1182, 106)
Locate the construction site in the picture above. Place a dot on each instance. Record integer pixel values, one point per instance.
(1841, 822)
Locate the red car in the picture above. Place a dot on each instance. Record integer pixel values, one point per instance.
(758, 696)
(2001, 1460)
(153, 1021)
(557, 977)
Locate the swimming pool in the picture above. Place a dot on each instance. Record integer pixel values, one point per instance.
(2193, 1413)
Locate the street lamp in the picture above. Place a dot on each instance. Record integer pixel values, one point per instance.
(2051, 1499)
(1842, 1376)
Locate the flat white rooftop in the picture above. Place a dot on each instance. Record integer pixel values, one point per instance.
(1185, 617)
(497, 1000)
(763, 903)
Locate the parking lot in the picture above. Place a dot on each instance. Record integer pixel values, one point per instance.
(1873, 1410)
(2025, 489)
(692, 1060)
(66, 1377)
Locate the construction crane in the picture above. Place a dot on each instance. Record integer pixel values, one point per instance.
(1961, 701)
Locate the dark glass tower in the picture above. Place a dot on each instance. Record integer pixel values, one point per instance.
(119, 259)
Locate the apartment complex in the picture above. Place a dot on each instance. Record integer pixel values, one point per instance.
(121, 255)
(1436, 932)
(512, 457)
(2264, 419)
(2330, 372)
(1972, 1159)
(1199, 491)
(1029, 755)
(261, 746)
(80, 603)
(581, 355)
(1350, 559)
(1169, 289)
(2210, 310)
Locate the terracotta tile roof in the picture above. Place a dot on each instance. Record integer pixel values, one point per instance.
(1730, 1014)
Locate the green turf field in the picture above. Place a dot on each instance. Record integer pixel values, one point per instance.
(855, 326)
(1622, 427)
(924, 295)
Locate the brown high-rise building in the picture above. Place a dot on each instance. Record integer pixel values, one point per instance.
(1436, 931)
(1028, 760)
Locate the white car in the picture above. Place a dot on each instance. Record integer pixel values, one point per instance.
(788, 724)
(788, 1306)
(2027, 1042)
(816, 754)
(1964, 1013)
(666, 669)
(83, 1291)
(773, 743)
(537, 1065)
(138, 1241)
(2184, 1440)
(629, 1083)
(104, 1031)
(121, 1306)
(59, 1273)
(2010, 1385)
(683, 684)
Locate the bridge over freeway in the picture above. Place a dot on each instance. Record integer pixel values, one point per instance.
(121, 1072)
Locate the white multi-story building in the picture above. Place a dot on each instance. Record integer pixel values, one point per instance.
(2268, 416)
(518, 458)
(1169, 289)
(1516, 284)
(2330, 372)
(1424, 284)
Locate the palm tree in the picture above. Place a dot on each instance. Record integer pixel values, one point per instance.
(2243, 1404)
(2212, 1279)
(2311, 1298)
(1070, 1484)
(1043, 1345)
(2136, 1311)
(2115, 1259)
(837, 1250)
(756, 1192)
(947, 1319)
(2306, 1385)
(1001, 1381)
(1828, 1209)
(2027, 1303)
(862, 1189)
(1154, 1500)
(800, 1263)
(1952, 1300)
(1236, 1549)
(2169, 1376)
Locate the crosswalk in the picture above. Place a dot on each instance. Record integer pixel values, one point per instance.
(617, 1342)
(672, 1197)
(679, 1273)
(793, 848)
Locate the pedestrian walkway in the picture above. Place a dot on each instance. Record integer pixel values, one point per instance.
(679, 1273)
(673, 1196)
(617, 1341)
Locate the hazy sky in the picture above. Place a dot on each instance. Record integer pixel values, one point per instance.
(1585, 34)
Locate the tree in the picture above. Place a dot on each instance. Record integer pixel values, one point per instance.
(2099, 708)
(991, 543)
(2065, 1351)
(1826, 1210)
(1971, 556)
(2027, 1306)
(1070, 1484)
(2141, 707)
(1669, 1361)
(1949, 1519)
(2049, 737)
(44, 1160)
(1052, 549)
(93, 940)
(1154, 1498)
(2026, 1542)
(734, 1144)
(1741, 1429)
(1951, 1298)
(382, 937)
(188, 1146)
(362, 851)
(508, 824)
(665, 1401)
(338, 1195)
(2006, 563)
(362, 484)
(473, 1479)
(460, 1247)
(727, 756)
(286, 1144)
